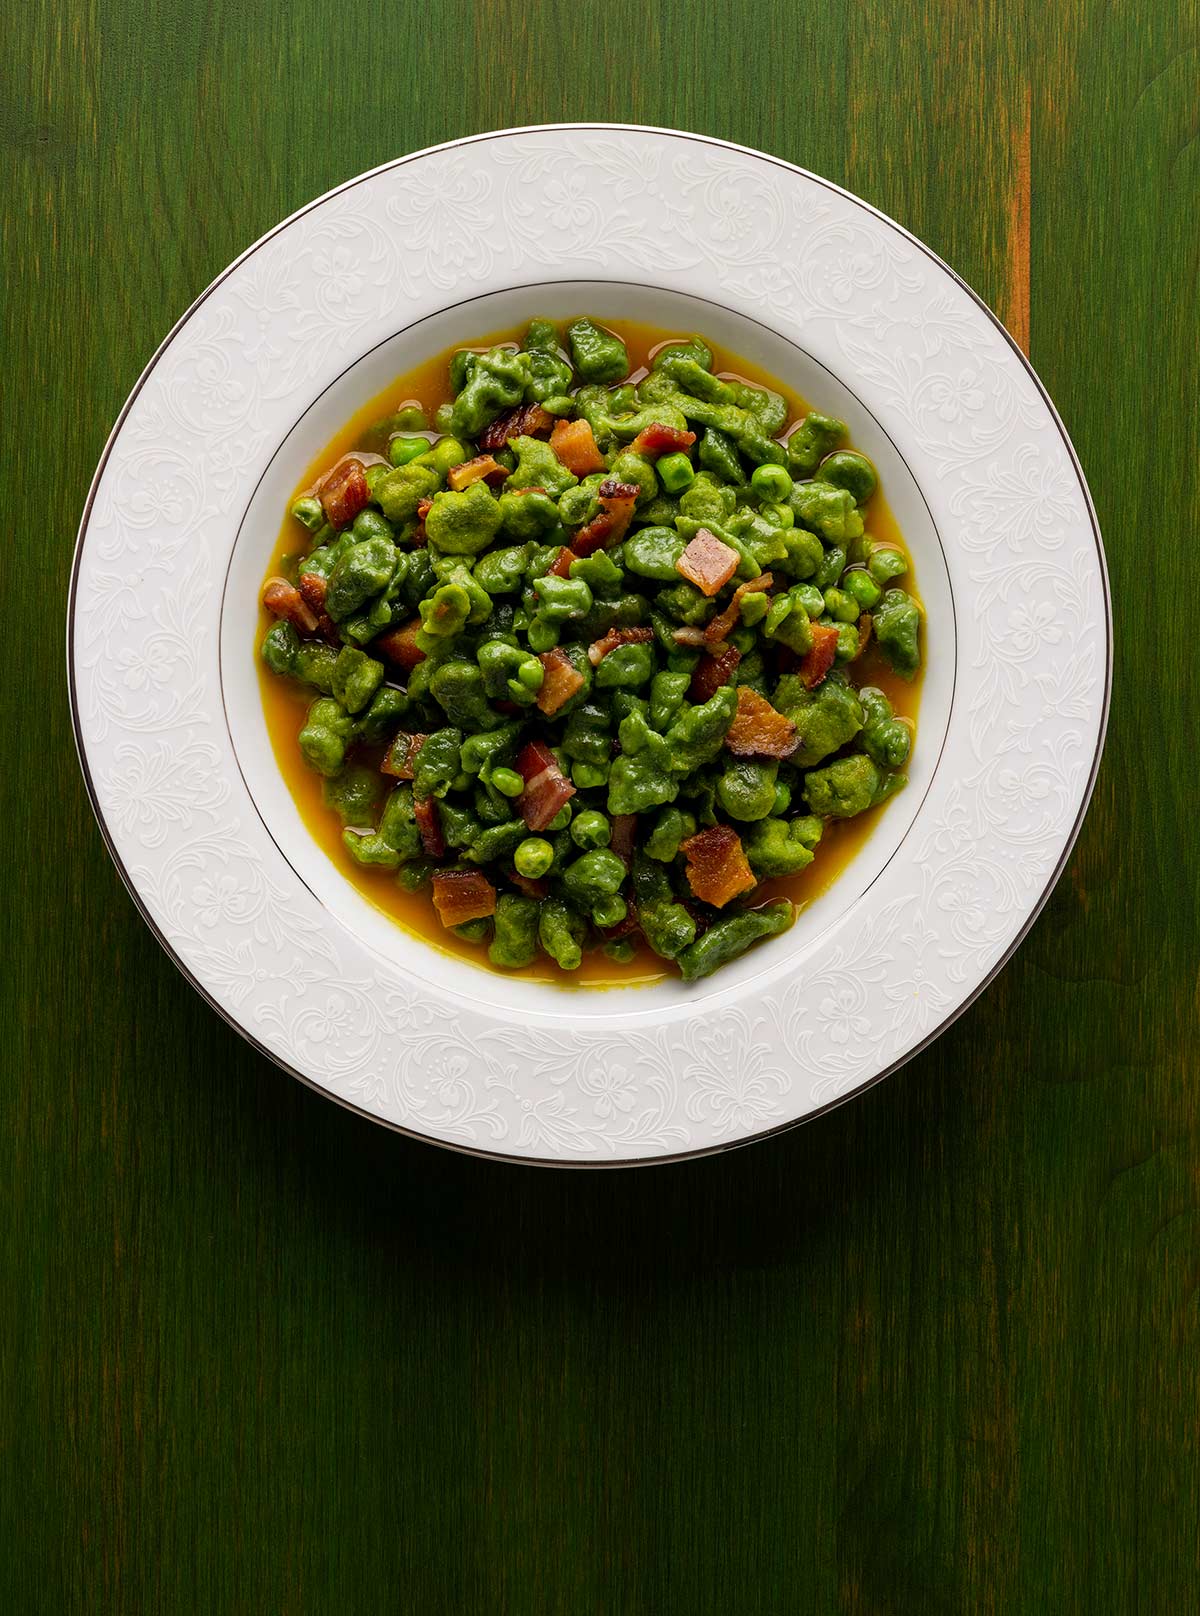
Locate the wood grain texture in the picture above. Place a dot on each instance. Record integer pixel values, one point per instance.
(937, 1352)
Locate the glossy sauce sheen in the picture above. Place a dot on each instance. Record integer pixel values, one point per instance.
(285, 703)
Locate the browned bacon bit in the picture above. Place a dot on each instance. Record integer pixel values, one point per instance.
(865, 624)
(717, 868)
(462, 895)
(402, 754)
(758, 730)
(708, 562)
(344, 493)
(547, 789)
(724, 623)
(532, 888)
(574, 443)
(608, 528)
(624, 834)
(657, 439)
(815, 664)
(599, 649)
(526, 421)
(312, 587)
(429, 823)
(561, 565)
(712, 672)
(562, 679)
(419, 538)
(283, 599)
(689, 635)
(482, 469)
(400, 644)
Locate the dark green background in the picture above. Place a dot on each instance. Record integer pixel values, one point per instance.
(937, 1352)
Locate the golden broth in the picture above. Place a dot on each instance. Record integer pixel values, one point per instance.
(285, 703)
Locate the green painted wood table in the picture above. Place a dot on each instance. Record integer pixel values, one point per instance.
(938, 1351)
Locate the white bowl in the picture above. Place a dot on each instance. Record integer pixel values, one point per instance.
(687, 233)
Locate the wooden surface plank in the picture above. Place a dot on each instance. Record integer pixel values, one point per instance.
(937, 1352)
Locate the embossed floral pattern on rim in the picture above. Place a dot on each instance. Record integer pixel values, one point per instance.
(757, 232)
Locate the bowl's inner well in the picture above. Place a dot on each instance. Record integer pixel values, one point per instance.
(371, 373)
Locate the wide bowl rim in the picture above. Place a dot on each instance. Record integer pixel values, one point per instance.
(719, 1146)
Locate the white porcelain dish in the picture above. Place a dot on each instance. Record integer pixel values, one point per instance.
(677, 230)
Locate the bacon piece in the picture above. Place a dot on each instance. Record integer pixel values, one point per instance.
(724, 623)
(462, 895)
(419, 538)
(402, 754)
(717, 868)
(865, 624)
(561, 681)
(538, 888)
(708, 562)
(399, 645)
(758, 729)
(313, 588)
(482, 469)
(575, 445)
(429, 823)
(526, 421)
(657, 439)
(624, 835)
(712, 672)
(815, 664)
(561, 566)
(546, 787)
(617, 500)
(599, 649)
(283, 599)
(344, 493)
(689, 635)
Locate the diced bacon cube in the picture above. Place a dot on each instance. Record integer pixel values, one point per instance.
(708, 562)
(575, 445)
(758, 729)
(560, 567)
(816, 662)
(429, 823)
(717, 867)
(609, 527)
(399, 645)
(624, 836)
(462, 895)
(657, 439)
(599, 649)
(344, 493)
(283, 599)
(482, 469)
(547, 789)
(712, 672)
(562, 679)
(526, 421)
(724, 623)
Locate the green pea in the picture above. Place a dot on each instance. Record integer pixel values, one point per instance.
(783, 799)
(508, 782)
(621, 951)
(562, 818)
(771, 482)
(885, 564)
(403, 449)
(309, 512)
(851, 471)
(859, 584)
(590, 830)
(675, 472)
(370, 525)
(533, 857)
